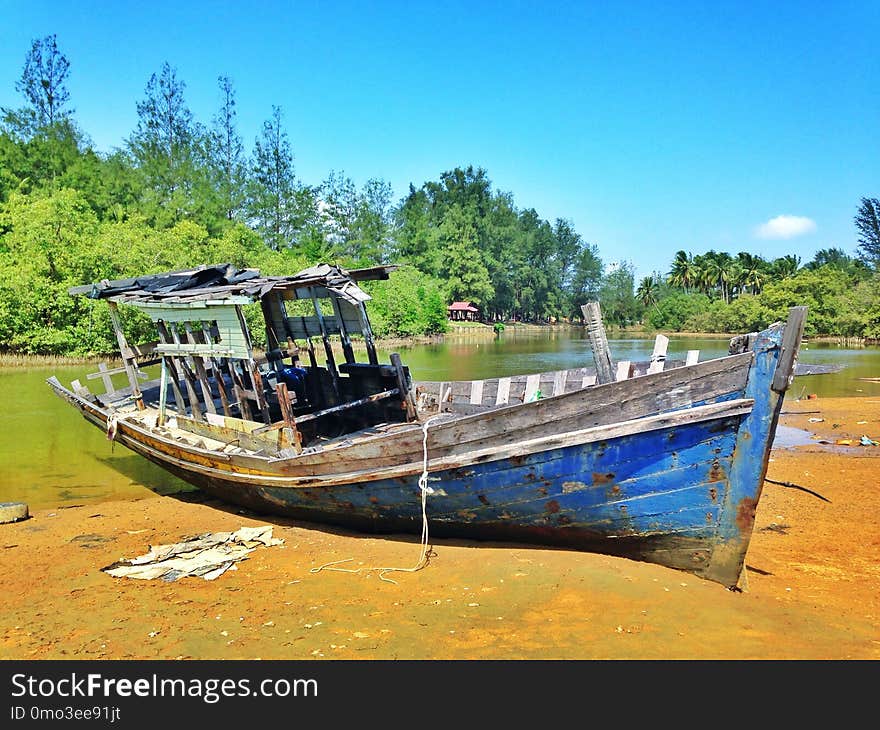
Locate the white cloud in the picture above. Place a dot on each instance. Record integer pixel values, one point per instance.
(785, 226)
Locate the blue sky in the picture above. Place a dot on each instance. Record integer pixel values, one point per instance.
(651, 126)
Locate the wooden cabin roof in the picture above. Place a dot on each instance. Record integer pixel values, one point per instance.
(225, 281)
(462, 307)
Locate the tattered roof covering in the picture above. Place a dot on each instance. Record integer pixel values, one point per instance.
(224, 280)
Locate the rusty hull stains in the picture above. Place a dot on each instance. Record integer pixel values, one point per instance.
(745, 514)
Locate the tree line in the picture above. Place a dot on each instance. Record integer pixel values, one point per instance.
(718, 292)
(178, 192)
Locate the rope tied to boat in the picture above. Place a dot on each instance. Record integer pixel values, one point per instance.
(424, 491)
(113, 426)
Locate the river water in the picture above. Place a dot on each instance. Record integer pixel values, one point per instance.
(51, 458)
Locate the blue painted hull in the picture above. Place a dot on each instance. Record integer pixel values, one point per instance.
(635, 496)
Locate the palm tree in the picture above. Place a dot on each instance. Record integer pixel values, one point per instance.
(753, 270)
(647, 291)
(785, 267)
(682, 272)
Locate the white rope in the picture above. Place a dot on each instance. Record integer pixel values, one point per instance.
(113, 425)
(424, 490)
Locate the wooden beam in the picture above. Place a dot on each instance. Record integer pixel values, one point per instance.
(476, 397)
(624, 370)
(598, 342)
(287, 416)
(503, 395)
(559, 378)
(403, 385)
(791, 340)
(367, 332)
(124, 350)
(343, 332)
(330, 411)
(658, 357)
(188, 377)
(328, 350)
(201, 373)
(218, 374)
(105, 374)
(171, 367)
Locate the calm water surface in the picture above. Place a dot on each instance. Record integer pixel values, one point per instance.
(50, 457)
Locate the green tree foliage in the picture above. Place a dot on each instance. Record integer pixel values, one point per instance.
(225, 155)
(163, 148)
(867, 222)
(409, 303)
(617, 296)
(43, 84)
(282, 210)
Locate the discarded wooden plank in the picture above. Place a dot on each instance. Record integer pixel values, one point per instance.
(598, 342)
(658, 357)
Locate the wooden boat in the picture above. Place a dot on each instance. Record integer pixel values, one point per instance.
(665, 465)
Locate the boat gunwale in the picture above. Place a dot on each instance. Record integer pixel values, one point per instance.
(579, 437)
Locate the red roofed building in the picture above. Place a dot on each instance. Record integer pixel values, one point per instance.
(459, 311)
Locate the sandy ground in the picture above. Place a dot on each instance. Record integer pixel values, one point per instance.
(813, 582)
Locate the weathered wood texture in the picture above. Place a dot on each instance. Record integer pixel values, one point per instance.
(592, 312)
(794, 331)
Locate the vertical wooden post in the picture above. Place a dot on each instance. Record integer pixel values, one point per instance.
(126, 354)
(109, 389)
(188, 377)
(287, 415)
(624, 370)
(257, 380)
(218, 373)
(693, 357)
(251, 369)
(367, 332)
(163, 392)
(598, 342)
(343, 332)
(791, 340)
(201, 372)
(658, 357)
(171, 367)
(238, 388)
(404, 387)
(328, 350)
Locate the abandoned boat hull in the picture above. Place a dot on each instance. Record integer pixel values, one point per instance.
(678, 488)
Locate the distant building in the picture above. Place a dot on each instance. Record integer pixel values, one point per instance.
(460, 311)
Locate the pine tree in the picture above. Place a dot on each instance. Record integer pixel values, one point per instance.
(867, 222)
